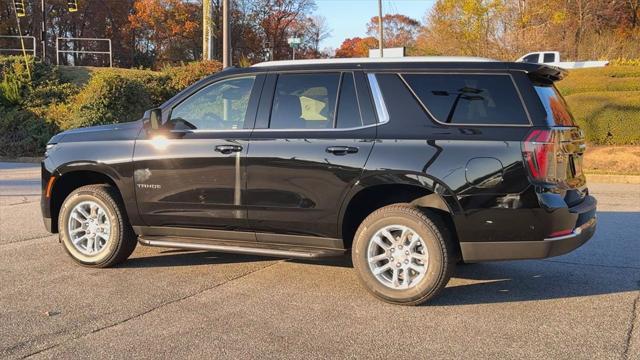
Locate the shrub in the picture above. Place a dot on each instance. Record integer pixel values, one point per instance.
(108, 98)
(154, 82)
(15, 80)
(22, 133)
(182, 76)
(608, 117)
(612, 78)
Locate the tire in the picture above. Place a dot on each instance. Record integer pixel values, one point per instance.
(110, 227)
(438, 259)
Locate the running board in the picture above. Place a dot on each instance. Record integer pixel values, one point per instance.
(240, 247)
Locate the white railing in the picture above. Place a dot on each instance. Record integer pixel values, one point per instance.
(33, 43)
(58, 51)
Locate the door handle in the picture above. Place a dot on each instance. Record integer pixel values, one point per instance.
(228, 149)
(342, 150)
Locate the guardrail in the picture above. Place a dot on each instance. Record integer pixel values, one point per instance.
(58, 51)
(33, 43)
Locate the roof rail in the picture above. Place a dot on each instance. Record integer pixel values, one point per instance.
(408, 59)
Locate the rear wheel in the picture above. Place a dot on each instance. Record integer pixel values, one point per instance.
(94, 228)
(403, 255)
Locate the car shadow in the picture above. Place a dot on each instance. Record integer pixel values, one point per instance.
(607, 264)
(532, 280)
(175, 257)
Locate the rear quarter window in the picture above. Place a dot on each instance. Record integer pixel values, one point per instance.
(469, 99)
(558, 113)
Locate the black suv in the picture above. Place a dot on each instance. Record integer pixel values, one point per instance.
(414, 164)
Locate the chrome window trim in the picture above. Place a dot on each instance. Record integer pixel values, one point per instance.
(271, 130)
(425, 108)
(378, 99)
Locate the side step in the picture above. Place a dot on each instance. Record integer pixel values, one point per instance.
(239, 247)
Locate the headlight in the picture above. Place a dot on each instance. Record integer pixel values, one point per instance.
(50, 147)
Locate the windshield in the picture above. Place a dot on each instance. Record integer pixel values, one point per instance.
(558, 113)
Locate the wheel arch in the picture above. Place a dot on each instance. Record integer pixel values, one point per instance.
(376, 191)
(74, 175)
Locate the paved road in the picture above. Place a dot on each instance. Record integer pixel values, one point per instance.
(167, 303)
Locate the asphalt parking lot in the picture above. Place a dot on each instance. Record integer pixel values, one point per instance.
(168, 303)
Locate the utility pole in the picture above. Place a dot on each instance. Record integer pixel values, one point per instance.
(380, 29)
(43, 35)
(207, 30)
(225, 35)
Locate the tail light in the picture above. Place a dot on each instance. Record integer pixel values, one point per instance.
(542, 155)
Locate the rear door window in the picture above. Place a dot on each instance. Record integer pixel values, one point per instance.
(469, 99)
(305, 101)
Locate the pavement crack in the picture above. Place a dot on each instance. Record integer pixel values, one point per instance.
(632, 326)
(137, 316)
(25, 240)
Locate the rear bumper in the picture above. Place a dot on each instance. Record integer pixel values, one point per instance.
(583, 216)
(514, 250)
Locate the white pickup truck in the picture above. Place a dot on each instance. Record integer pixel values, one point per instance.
(553, 58)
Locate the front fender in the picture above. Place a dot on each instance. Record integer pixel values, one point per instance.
(113, 159)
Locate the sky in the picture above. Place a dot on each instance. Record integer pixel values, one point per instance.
(348, 18)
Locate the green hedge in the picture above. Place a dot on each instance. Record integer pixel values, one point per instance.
(606, 103)
(64, 98)
(107, 99)
(22, 133)
(608, 118)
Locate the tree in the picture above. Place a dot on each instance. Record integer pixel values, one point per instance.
(463, 27)
(356, 47)
(169, 30)
(317, 30)
(399, 30)
(280, 19)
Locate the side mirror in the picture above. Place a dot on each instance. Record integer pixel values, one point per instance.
(155, 118)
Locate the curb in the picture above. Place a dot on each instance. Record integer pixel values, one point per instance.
(612, 179)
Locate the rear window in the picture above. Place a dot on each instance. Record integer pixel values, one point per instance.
(549, 57)
(469, 99)
(558, 113)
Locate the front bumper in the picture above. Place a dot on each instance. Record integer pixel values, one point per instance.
(47, 224)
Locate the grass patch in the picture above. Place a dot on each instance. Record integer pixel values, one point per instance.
(616, 160)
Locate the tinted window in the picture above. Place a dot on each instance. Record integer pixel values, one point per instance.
(469, 99)
(549, 57)
(557, 110)
(304, 101)
(348, 111)
(219, 106)
(533, 58)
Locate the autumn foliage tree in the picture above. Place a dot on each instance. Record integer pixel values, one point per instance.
(166, 30)
(356, 47)
(399, 30)
(507, 29)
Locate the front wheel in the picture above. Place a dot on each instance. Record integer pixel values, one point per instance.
(94, 227)
(403, 255)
